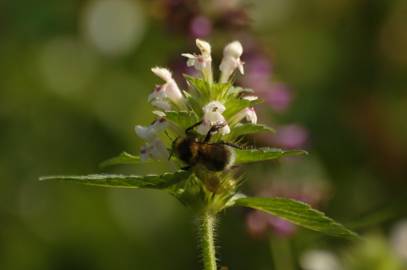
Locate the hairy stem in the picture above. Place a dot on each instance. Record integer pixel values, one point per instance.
(206, 232)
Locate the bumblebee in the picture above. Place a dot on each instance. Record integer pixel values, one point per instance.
(213, 156)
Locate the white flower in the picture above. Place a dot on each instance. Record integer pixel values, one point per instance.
(214, 106)
(169, 90)
(163, 73)
(154, 150)
(213, 117)
(231, 60)
(201, 62)
(204, 47)
(250, 115)
(151, 132)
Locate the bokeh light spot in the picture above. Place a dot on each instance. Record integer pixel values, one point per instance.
(113, 26)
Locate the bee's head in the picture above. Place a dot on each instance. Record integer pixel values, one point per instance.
(184, 148)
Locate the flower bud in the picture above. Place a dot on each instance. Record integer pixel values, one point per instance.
(231, 60)
(249, 114)
(233, 49)
(203, 46)
(169, 90)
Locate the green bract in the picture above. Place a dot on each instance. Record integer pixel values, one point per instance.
(215, 115)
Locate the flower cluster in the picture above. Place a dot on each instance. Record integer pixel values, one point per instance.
(206, 102)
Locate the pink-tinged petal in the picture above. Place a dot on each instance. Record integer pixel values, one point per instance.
(173, 92)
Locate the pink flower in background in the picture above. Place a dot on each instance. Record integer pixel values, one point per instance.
(258, 224)
(200, 26)
(258, 71)
(259, 77)
(278, 96)
(291, 136)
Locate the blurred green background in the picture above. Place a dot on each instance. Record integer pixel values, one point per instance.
(75, 76)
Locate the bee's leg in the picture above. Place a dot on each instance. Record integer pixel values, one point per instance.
(212, 130)
(188, 130)
(172, 148)
(232, 145)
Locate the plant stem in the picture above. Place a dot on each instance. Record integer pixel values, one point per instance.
(207, 227)
(281, 253)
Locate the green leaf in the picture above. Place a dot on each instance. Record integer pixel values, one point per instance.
(124, 181)
(262, 154)
(200, 86)
(193, 104)
(219, 91)
(249, 128)
(298, 213)
(235, 105)
(183, 119)
(237, 90)
(123, 158)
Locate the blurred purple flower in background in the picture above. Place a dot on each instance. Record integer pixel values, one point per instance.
(259, 223)
(194, 19)
(291, 136)
(200, 26)
(259, 77)
(313, 192)
(279, 97)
